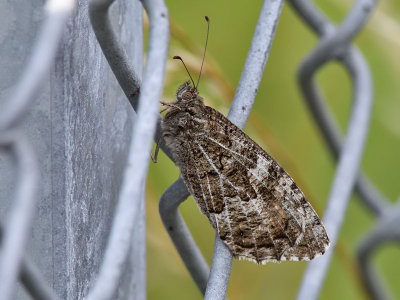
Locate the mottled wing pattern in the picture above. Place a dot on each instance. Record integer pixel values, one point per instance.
(257, 209)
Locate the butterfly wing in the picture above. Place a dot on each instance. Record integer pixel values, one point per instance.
(257, 209)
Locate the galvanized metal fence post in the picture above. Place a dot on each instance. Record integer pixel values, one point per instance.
(79, 126)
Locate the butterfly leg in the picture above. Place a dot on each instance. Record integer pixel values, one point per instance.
(154, 159)
(170, 105)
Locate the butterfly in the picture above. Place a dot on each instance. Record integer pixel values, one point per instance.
(255, 206)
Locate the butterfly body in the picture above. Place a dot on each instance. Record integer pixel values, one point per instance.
(255, 206)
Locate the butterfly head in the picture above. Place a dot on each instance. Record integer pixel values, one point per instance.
(186, 92)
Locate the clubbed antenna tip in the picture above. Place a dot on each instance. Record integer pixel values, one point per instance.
(180, 58)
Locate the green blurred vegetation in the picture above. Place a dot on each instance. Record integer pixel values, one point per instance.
(281, 124)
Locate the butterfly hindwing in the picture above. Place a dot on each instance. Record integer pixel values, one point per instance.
(258, 210)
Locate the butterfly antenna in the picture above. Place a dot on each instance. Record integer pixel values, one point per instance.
(180, 58)
(205, 49)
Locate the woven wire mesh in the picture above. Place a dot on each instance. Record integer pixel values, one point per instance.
(335, 43)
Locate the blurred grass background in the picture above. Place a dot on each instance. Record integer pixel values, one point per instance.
(281, 124)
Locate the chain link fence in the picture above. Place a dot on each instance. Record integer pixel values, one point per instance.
(76, 155)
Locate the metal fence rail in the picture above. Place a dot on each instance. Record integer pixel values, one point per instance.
(335, 43)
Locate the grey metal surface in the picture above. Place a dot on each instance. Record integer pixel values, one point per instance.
(221, 265)
(386, 230)
(132, 189)
(34, 283)
(97, 134)
(79, 126)
(16, 102)
(18, 222)
(180, 234)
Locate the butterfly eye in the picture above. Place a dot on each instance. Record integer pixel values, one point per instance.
(187, 95)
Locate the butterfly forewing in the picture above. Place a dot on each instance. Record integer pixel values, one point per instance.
(257, 209)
